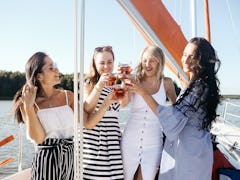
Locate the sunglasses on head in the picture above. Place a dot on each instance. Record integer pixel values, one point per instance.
(103, 48)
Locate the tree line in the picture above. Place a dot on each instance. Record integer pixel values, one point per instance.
(11, 82)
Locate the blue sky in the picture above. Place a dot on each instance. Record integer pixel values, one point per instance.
(47, 25)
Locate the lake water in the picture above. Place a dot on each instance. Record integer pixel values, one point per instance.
(8, 126)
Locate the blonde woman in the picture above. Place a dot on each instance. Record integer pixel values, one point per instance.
(142, 139)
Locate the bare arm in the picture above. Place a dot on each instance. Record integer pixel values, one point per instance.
(91, 96)
(91, 119)
(170, 90)
(34, 126)
(139, 89)
(151, 102)
(92, 93)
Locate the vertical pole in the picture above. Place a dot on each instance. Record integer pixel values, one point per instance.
(75, 87)
(207, 21)
(193, 18)
(81, 83)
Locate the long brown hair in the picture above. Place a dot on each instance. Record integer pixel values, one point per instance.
(32, 68)
(93, 75)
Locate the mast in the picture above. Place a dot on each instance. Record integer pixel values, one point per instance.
(207, 21)
(193, 18)
(78, 84)
(82, 34)
(75, 90)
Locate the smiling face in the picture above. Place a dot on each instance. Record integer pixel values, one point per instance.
(50, 73)
(149, 64)
(188, 58)
(104, 62)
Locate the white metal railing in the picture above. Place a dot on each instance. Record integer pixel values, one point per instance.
(227, 113)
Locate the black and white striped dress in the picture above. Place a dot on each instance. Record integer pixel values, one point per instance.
(101, 155)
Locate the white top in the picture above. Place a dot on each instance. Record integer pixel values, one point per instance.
(142, 137)
(57, 121)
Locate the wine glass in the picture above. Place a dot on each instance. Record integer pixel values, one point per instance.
(111, 80)
(129, 79)
(125, 67)
(119, 91)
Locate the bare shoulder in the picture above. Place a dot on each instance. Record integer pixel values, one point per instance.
(69, 93)
(70, 96)
(170, 90)
(88, 83)
(167, 81)
(61, 96)
(88, 86)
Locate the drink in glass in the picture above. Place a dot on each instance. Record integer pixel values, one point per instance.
(125, 68)
(119, 91)
(112, 79)
(129, 79)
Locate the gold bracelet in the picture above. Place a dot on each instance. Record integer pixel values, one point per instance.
(97, 89)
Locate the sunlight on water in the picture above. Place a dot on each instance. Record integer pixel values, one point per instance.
(10, 127)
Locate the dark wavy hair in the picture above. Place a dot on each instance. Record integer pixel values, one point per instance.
(33, 66)
(93, 76)
(205, 69)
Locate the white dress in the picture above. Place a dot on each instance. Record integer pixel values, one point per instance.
(142, 138)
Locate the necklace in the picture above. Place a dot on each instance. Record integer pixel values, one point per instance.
(48, 100)
(50, 105)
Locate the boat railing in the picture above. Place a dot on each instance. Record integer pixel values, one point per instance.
(122, 122)
(226, 113)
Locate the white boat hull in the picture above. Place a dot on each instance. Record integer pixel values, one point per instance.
(228, 139)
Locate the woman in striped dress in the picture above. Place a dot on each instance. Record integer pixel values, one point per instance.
(102, 156)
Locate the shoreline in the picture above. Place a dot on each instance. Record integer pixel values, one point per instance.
(230, 96)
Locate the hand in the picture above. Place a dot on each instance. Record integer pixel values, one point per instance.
(110, 98)
(131, 78)
(29, 95)
(122, 74)
(102, 80)
(136, 87)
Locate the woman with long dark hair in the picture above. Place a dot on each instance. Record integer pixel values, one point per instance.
(48, 115)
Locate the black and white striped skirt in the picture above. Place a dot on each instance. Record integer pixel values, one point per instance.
(54, 160)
